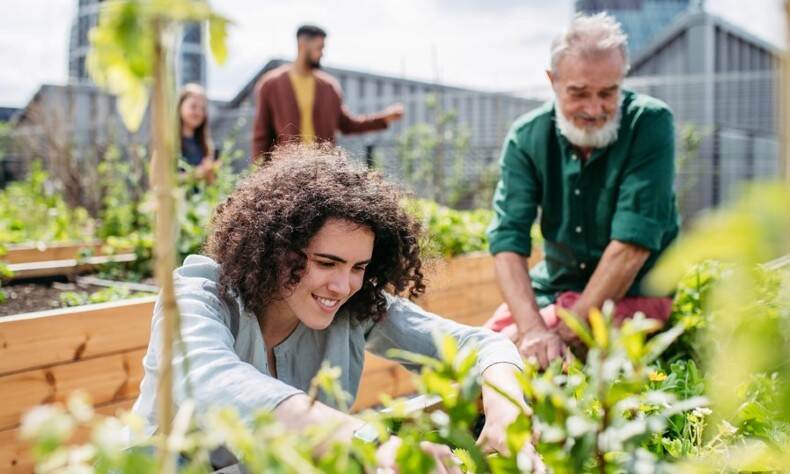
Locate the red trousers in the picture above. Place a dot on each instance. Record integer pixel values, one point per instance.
(654, 308)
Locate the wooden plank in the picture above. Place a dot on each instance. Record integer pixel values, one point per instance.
(106, 379)
(15, 456)
(394, 381)
(65, 267)
(41, 253)
(443, 274)
(70, 334)
(448, 303)
(466, 270)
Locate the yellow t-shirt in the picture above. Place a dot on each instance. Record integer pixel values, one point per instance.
(304, 89)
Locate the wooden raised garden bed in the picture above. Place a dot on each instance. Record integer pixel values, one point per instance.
(47, 355)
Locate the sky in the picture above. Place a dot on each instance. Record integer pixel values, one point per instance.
(497, 45)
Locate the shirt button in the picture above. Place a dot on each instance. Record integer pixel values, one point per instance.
(576, 192)
(582, 265)
(578, 229)
(573, 157)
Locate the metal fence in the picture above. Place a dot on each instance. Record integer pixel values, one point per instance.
(726, 127)
(726, 132)
(736, 116)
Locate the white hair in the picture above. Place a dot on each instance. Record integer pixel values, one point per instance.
(590, 35)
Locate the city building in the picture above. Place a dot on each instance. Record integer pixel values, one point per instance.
(191, 58)
(642, 20)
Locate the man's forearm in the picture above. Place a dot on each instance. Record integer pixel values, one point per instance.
(614, 275)
(513, 277)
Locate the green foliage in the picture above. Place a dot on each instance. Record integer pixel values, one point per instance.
(590, 420)
(5, 140)
(126, 221)
(745, 322)
(451, 232)
(5, 272)
(435, 160)
(691, 138)
(33, 210)
(121, 192)
(427, 151)
(597, 416)
(113, 293)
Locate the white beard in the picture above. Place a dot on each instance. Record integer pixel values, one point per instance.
(594, 138)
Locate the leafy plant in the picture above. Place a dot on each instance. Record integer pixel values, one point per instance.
(453, 232)
(5, 272)
(33, 210)
(113, 293)
(746, 338)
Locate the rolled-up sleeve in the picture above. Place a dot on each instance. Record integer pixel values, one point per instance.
(209, 365)
(645, 203)
(408, 327)
(515, 200)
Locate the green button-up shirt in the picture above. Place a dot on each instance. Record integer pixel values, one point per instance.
(622, 192)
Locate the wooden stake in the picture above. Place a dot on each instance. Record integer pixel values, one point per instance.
(162, 134)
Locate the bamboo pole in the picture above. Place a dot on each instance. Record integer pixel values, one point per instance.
(162, 134)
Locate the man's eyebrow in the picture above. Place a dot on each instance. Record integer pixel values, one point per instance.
(338, 259)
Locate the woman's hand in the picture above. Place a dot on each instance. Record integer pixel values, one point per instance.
(500, 412)
(207, 169)
(387, 453)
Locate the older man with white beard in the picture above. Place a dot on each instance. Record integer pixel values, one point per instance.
(597, 165)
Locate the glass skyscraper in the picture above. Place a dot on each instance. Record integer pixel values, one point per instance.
(642, 20)
(191, 62)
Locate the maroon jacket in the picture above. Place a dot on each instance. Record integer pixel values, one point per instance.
(277, 113)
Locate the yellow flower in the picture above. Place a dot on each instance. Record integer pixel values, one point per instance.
(657, 376)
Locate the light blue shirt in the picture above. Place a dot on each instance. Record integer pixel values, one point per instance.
(224, 371)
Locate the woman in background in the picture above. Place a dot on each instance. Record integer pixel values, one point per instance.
(197, 148)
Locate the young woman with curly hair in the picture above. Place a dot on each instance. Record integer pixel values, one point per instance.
(303, 263)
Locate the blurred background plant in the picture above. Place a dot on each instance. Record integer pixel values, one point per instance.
(739, 311)
(33, 210)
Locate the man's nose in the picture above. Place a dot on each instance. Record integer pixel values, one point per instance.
(594, 109)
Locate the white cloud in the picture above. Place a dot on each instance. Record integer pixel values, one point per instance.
(477, 47)
(762, 18)
(33, 47)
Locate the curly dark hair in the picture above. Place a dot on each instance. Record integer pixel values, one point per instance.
(261, 230)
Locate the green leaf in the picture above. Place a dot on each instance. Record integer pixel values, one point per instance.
(218, 37)
(576, 325)
(599, 329)
(657, 345)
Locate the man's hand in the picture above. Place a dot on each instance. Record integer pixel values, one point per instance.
(393, 113)
(541, 344)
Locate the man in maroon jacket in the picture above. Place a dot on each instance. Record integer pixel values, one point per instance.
(300, 102)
